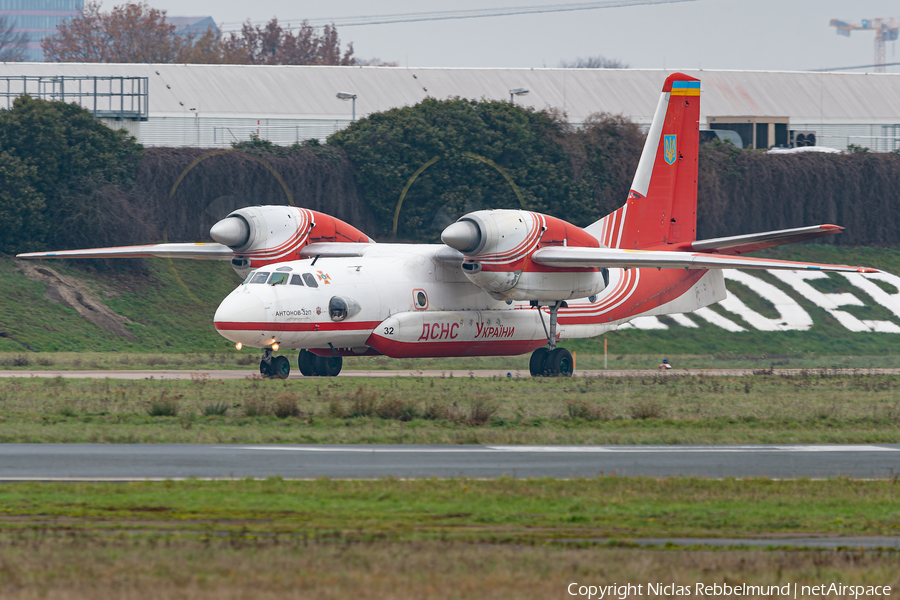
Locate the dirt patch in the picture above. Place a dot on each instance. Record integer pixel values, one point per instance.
(70, 292)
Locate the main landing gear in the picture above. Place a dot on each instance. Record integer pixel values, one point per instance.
(311, 365)
(552, 361)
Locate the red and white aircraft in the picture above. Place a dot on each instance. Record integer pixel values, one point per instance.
(503, 282)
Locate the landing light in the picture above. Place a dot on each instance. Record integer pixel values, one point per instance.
(274, 347)
(238, 346)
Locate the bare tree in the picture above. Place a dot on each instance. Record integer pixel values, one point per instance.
(136, 33)
(130, 33)
(12, 43)
(593, 62)
(277, 45)
(376, 62)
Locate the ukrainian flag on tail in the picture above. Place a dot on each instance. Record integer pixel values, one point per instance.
(685, 88)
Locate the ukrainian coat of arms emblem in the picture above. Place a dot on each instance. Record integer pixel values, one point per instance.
(671, 149)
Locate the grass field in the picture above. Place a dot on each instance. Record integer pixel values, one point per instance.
(664, 409)
(249, 360)
(111, 568)
(424, 538)
(439, 539)
(504, 510)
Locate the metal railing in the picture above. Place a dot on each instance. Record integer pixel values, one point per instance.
(278, 133)
(106, 97)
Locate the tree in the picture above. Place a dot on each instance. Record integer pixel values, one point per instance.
(129, 33)
(12, 43)
(136, 33)
(21, 206)
(67, 160)
(474, 141)
(275, 45)
(593, 62)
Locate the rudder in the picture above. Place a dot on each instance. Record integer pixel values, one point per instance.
(662, 205)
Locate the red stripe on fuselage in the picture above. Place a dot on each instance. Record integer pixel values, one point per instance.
(396, 349)
(258, 326)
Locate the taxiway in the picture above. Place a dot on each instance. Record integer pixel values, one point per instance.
(457, 373)
(128, 462)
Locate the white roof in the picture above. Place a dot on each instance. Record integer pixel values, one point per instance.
(309, 92)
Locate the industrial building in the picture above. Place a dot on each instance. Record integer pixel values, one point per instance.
(39, 19)
(215, 105)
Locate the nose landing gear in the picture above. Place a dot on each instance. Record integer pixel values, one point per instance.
(552, 361)
(313, 365)
(278, 367)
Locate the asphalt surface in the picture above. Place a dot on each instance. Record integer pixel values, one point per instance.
(824, 543)
(459, 373)
(114, 462)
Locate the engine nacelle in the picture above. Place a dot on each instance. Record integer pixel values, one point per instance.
(261, 235)
(498, 245)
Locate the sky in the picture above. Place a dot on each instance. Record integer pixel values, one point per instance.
(708, 34)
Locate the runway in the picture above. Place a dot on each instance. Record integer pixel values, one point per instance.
(131, 462)
(457, 373)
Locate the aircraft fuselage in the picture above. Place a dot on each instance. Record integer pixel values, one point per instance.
(401, 300)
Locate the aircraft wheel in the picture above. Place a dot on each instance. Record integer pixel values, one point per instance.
(281, 367)
(264, 369)
(328, 366)
(307, 363)
(537, 362)
(559, 363)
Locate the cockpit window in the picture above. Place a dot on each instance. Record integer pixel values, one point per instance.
(295, 280)
(260, 277)
(310, 280)
(278, 279)
(248, 277)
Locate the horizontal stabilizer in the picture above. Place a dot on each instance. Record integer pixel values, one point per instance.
(195, 251)
(742, 244)
(562, 256)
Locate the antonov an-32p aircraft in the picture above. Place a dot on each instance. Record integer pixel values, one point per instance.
(503, 282)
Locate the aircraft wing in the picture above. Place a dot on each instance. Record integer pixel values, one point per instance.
(334, 249)
(742, 244)
(195, 251)
(562, 256)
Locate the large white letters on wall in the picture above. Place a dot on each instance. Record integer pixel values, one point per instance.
(792, 316)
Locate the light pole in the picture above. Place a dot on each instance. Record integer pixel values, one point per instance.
(516, 92)
(349, 96)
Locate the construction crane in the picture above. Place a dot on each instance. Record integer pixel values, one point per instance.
(886, 30)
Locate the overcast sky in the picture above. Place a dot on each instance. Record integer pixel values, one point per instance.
(710, 34)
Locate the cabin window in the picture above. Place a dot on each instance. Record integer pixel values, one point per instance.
(296, 280)
(310, 280)
(260, 277)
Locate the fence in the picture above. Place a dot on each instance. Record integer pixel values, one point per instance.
(106, 97)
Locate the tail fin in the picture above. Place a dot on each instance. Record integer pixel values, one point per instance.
(662, 205)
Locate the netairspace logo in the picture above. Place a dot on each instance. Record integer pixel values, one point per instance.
(718, 590)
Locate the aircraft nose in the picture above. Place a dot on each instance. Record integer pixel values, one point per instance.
(241, 308)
